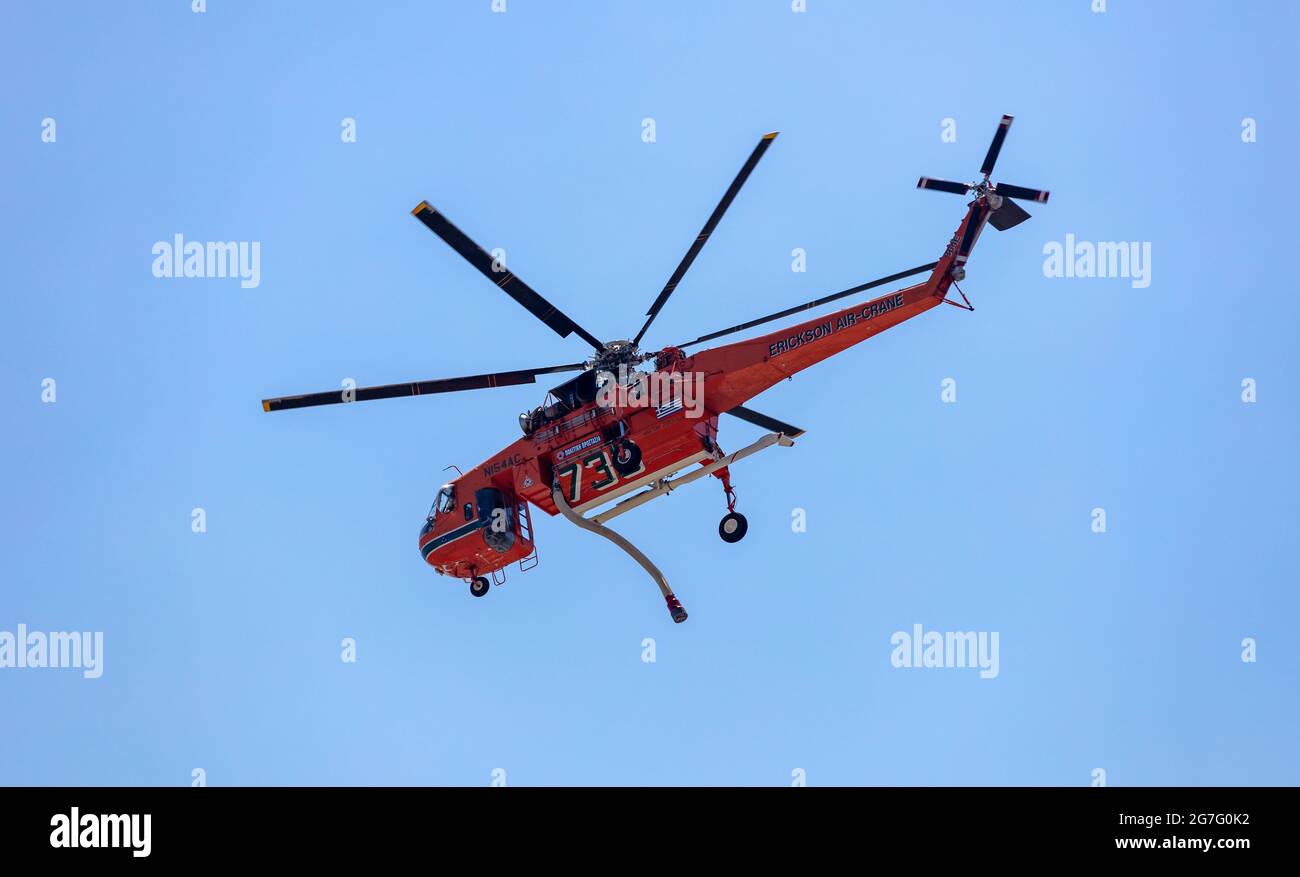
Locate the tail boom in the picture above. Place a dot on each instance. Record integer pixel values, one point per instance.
(737, 372)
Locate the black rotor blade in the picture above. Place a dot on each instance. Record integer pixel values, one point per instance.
(919, 269)
(703, 237)
(1009, 215)
(417, 388)
(973, 228)
(762, 420)
(943, 186)
(521, 292)
(1009, 191)
(996, 146)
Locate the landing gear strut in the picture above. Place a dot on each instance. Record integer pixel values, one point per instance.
(733, 526)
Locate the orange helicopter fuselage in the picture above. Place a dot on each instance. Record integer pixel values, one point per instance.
(575, 452)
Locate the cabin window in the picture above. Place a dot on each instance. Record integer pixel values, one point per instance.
(446, 500)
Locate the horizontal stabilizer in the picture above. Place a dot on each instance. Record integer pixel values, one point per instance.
(1009, 215)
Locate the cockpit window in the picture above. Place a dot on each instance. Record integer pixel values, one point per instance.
(446, 500)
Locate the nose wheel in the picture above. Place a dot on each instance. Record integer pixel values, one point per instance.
(479, 586)
(733, 527)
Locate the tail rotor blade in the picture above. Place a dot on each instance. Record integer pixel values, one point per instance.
(1009, 191)
(943, 186)
(996, 146)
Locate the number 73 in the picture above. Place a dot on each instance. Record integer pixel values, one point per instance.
(600, 462)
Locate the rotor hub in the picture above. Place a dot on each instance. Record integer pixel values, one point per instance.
(616, 353)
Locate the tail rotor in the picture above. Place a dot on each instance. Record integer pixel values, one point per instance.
(1005, 212)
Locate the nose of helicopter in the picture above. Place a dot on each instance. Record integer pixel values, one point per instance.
(426, 540)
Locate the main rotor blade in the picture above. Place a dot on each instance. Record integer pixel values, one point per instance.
(521, 292)
(703, 237)
(1009, 191)
(919, 269)
(996, 146)
(749, 415)
(943, 186)
(417, 388)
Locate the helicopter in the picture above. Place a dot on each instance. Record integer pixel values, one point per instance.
(615, 436)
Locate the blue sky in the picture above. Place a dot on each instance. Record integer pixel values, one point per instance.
(1119, 650)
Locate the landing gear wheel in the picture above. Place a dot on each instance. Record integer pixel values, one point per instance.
(627, 457)
(479, 587)
(733, 527)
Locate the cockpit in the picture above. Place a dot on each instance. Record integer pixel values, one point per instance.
(442, 505)
(446, 500)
